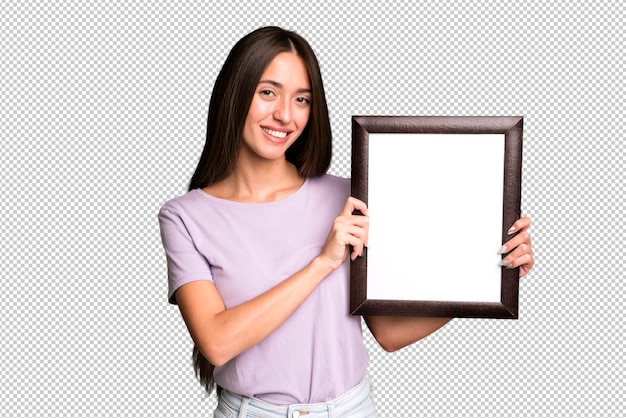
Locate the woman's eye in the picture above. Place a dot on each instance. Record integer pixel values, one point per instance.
(266, 92)
(303, 100)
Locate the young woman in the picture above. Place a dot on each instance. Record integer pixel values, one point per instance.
(258, 250)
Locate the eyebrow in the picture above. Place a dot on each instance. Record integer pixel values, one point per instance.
(280, 86)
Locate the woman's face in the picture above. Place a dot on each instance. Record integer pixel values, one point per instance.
(280, 108)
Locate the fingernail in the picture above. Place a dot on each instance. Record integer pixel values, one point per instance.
(504, 263)
(511, 230)
(503, 250)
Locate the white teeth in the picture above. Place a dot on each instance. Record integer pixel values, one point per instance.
(277, 134)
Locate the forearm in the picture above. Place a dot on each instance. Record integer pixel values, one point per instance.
(225, 334)
(396, 332)
(222, 334)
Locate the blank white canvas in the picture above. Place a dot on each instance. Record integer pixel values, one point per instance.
(435, 204)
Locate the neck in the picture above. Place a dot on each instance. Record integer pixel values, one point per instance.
(264, 181)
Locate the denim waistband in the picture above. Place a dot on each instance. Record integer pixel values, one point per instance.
(255, 407)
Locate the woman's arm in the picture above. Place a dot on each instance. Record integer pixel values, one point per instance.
(222, 334)
(394, 333)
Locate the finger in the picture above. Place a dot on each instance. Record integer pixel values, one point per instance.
(357, 225)
(521, 238)
(357, 251)
(520, 256)
(358, 238)
(525, 261)
(347, 229)
(520, 224)
(350, 240)
(352, 204)
(357, 220)
(358, 245)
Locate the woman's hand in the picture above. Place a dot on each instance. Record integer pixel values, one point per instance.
(518, 250)
(347, 230)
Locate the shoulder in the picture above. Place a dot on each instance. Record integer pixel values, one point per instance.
(332, 184)
(179, 205)
(328, 193)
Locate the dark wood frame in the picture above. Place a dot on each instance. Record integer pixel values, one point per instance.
(512, 128)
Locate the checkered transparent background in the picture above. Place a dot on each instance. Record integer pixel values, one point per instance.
(102, 120)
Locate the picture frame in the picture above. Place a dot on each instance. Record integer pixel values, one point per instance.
(442, 193)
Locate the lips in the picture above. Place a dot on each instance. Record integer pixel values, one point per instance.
(275, 134)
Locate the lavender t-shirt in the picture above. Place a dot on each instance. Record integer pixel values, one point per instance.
(318, 354)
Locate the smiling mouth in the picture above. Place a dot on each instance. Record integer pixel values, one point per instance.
(275, 134)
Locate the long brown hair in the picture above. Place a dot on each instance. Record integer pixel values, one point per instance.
(232, 95)
(204, 371)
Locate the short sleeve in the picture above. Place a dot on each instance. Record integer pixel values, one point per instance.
(185, 263)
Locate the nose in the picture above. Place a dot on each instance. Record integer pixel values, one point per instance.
(282, 111)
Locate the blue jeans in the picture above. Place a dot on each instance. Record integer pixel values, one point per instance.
(357, 403)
